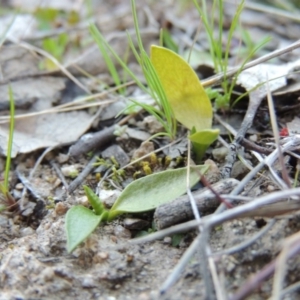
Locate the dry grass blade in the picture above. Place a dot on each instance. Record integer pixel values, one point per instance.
(276, 137)
(56, 62)
(281, 264)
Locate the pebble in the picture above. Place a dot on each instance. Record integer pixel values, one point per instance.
(118, 153)
(47, 274)
(270, 188)
(109, 197)
(19, 186)
(219, 154)
(88, 282)
(61, 208)
(168, 240)
(153, 125)
(70, 171)
(145, 148)
(83, 201)
(239, 170)
(122, 232)
(253, 138)
(26, 231)
(100, 257)
(3, 220)
(135, 223)
(62, 158)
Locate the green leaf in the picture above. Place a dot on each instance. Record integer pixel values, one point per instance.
(80, 223)
(153, 190)
(201, 141)
(94, 200)
(184, 91)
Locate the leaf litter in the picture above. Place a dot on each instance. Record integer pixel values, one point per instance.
(34, 260)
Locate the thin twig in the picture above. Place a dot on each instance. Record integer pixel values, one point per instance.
(255, 99)
(276, 136)
(85, 172)
(59, 173)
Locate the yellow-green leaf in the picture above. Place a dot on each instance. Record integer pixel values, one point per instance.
(149, 192)
(201, 140)
(187, 97)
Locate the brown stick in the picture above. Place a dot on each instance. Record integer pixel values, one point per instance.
(180, 209)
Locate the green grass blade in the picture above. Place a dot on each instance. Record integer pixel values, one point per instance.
(11, 135)
(110, 64)
(119, 60)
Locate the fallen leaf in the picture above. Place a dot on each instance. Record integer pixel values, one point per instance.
(48, 130)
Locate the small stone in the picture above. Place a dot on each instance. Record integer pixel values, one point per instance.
(213, 173)
(47, 274)
(26, 231)
(3, 220)
(70, 171)
(61, 208)
(144, 149)
(134, 223)
(144, 296)
(230, 266)
(122, 232)
(137, 134)
(17, 194)
(253, 138)
(100, 257)
(83, 201)
(62, 158)
(109, 197)
(219, 154)
(118, 153)
(19, 186)
(270, 188)
(153, 125)
(168, 240)
(28, 209)
(239, 170)
(88, 282)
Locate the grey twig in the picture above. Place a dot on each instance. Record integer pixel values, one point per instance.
(59, 173)
(255, 99)
(92, 141)
(85, 172)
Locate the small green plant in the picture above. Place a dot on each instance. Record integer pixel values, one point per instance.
(141, 195)
(162, 109)
(173, 84)
(4, 186)
(56, 46)
(188, 99)
(221, 58)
